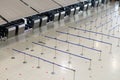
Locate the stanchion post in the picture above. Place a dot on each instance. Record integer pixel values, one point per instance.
(38, 66)
(82, 52)
(67, 40)
(24, 61)
(55, 56)
(69, 62)
(42, 50)
(118, 45)
(53, 72)
(74, 74)
(100, 54)
(93, 43)
(110, 49)
(13, 57)
(90, 65)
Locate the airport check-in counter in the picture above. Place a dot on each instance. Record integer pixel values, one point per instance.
(25, 14)
(77, 8)
(89, 4)
(85, 3)
(61, 13)
(35, 21)
(13, 28)
(95, 3)
(13, 12)
(10, 31)
(99, 2)
(7, 30)
(32, 22)
(70, 6)
(45, 13)
(70, 10)
(1, 28)
(104, 1)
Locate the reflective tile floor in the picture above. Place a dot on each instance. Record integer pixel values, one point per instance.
(83, 47)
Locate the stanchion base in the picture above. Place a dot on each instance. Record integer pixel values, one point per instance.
(27, 48)
(32, 50)
(54, 57)
(12, 57)
(118, 45)
(67, 50)
(89, 69)
(24, 62)
(69, 62)
(99, 59)
(81, 54)
(42, 53)
(52, 73)
(38, 67)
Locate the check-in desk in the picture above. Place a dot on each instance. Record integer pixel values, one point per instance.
(44, 20)
(85, 3)
(13, 11)
(26, 14)
(20, 26)
(96, 3)
(105, 1)
(89, 4)
(69, 6)
(11, 31)
(1, 28)
(13, 28)
(77, 9)
(33, 22)
(48, 11)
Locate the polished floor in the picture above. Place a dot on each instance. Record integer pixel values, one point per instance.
(83, 47)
